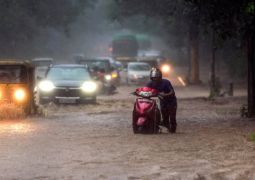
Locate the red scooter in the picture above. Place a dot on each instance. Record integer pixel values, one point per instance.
(146, 113)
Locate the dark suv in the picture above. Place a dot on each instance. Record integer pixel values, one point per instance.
(102, 70)
(67, 83)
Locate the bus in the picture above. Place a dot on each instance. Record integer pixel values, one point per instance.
(124, 47)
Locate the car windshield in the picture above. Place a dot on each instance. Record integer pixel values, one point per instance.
(12, 74)
(152, 63)
(139, 67)
(68, 73)
(97, 64)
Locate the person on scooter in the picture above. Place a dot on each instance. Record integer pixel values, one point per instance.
(168, 102)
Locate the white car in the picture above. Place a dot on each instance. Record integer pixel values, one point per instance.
(138, 73)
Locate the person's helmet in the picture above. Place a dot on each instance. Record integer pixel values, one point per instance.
(155, 74)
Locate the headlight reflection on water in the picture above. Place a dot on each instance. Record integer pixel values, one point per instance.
(13, 127)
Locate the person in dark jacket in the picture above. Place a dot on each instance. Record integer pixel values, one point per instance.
(168, 102)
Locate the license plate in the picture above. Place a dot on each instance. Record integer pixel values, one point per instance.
(67, 101)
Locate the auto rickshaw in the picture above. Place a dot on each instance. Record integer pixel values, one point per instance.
(17, 84)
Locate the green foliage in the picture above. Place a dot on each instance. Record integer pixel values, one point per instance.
(227, 18)
(252, 137)
(250, 8)
(21, 20)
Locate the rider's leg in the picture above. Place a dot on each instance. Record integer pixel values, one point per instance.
(165, 115)
(173, 124)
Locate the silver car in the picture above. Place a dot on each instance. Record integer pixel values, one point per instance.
(138, 73)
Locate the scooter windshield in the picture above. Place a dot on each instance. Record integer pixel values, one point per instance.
(146, 92)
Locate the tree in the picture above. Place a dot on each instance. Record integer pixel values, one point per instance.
(229, 19)
(192, 14)
(22, 20)
(250, 29)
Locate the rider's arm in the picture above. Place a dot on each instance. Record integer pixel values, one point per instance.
(169, 90)
(167, 94)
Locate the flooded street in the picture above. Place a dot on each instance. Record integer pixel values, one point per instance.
(97, 142)
(54, 54)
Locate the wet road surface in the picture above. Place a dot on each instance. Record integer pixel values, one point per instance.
(97, 142)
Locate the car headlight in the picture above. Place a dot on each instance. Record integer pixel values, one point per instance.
(108, 77)
(166, 68)
(89, 87)
(19, 94)
(134, 76)
(46, 86)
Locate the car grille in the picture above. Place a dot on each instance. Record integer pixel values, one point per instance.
(67, 92)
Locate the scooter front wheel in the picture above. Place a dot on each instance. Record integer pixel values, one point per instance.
(157, 121)
(135, 129)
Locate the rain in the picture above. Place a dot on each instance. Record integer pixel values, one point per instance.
(117, 89)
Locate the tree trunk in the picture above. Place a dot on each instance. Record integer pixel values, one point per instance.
(214, 84)
(189, 64)
(194, 52)
(194, 62)
(251, 75)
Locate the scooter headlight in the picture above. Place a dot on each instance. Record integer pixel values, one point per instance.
(89, 87)
(20, 95)
(46, 86)
(108, 77)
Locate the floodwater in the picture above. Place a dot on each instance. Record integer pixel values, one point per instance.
(96, 141)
